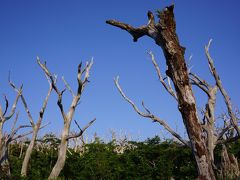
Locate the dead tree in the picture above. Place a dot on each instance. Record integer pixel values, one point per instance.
(201, 132)
(7, 138)
(67, 117)
(35, 126)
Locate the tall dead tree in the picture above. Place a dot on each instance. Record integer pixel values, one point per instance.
(35, 126)
(67, 117)
(201, 133)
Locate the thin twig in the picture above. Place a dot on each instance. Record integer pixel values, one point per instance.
(68, 87)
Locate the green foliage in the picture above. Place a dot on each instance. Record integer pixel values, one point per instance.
(151, 159)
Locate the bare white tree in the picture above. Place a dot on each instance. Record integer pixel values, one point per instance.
(67, 117)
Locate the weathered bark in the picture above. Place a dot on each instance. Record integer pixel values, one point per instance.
(229, 168)
(4, 163)
(209, 125)
(64, 140)
(5, 167)
(209, 114)
(164, 34)
(61, 153)
(28, 154)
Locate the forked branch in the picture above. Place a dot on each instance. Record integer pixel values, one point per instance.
(149, 115)
(168, 86)
(81, 130)
(14, 106)
(24, 102)
(137, 33)
(221, 88)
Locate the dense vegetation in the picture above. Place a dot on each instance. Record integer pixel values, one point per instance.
(151, 159)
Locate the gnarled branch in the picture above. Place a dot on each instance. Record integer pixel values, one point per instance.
(149, 115)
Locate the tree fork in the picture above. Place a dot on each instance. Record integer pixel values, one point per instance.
(164, 34)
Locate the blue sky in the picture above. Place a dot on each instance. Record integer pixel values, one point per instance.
(66, 32)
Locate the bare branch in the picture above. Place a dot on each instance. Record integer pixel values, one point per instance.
(167, 87)
(25, 134)
(27, 110)
(19, 91)
(150, 115)
(189, 64)
(24, 103)
(41, 113)
(6, 105)
(81, 130)
(221, 88)
(146, 109)
(149, 29)
(198, 84)
(229, 140)
(20, 136)
(53, 82)
(228, 127)
(202, 84)
(68, 86)
(86, 77)
(47, 72)
(224, 130)
(14, 132)
(129, 101)
(135, 32)
(14, 123)
(78, 125)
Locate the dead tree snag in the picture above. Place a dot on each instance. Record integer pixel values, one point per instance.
(201, 135)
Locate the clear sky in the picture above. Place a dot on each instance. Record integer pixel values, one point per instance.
(66, 32)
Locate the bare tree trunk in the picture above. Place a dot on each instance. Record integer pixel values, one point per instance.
(61, 153)
(5, 167)
(28, 154)
(21, 150)
(164, 34)
(229, 168)
(35, 128)
(4, 163)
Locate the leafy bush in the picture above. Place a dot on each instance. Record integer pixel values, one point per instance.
(151, 159)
